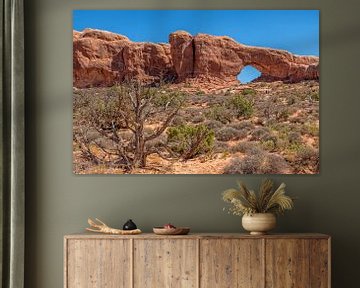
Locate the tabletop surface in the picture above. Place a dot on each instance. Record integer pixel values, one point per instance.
(89, 235)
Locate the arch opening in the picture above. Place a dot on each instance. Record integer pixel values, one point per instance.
(248, 74)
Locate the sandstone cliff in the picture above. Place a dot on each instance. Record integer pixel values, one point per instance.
(103, 58)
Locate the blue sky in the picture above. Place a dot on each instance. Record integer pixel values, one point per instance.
(294, 30)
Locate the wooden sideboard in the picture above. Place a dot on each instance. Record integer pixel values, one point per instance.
(197, 260)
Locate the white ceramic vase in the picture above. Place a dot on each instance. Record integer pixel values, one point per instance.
(259, 223)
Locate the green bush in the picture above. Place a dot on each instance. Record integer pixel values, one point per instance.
(241, 106)
(269, 145)
(219, 113)
(167, 98)
(189, 141)
(248, 91)
(307, 158)
(101, 112)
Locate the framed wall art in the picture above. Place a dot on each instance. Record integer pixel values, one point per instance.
(196, 92)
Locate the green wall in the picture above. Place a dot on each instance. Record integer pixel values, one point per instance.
(59, 202)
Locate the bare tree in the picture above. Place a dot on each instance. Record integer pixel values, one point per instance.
(119, 121)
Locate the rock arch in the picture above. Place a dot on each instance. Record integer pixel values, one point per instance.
(103, 58)
(223, 58)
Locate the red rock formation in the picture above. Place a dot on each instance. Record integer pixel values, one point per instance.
(222, 57)
(182, 53)
(104, 59)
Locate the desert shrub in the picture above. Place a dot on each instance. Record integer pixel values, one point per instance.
(128, 107)
(306, 159)
(269, 145)
(290, 147)
(246, 147)
(105, 143)
(189, 141)
(241, 106)
(219, 113)
(198, 100)
(297, 119)
(213, 124)
(310, 128)
(247, 165)
(104, 106)
(263, 163)
(91, 134)
(277, 108)
(294, 137)
(261, 134)
(191, 113)
(167, 99)
(291, 100)
(287, 138)
(242, 125)
(157, 142)
(220, 147)
(198, 118)
(126, 135)
(248, 91)
(178, 120)
(199, 92)
(282, 114)
(81, 99)
(314, 96)
(275, 164)
(229, 133)
(307, 153)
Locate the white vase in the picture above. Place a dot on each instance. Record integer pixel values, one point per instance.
(259, 223)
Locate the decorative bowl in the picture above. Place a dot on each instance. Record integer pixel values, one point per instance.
(171, 231)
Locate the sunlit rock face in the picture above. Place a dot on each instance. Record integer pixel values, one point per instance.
(102, 58)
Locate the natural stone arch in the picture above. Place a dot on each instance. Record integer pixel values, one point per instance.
(105, 59)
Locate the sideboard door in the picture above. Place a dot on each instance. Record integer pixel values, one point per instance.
(297, 263)
(231, 263)
(165, 263)
(320, 263)
(287, 263)
(98, 263)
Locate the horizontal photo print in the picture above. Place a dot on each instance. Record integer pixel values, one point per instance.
(196, 91)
